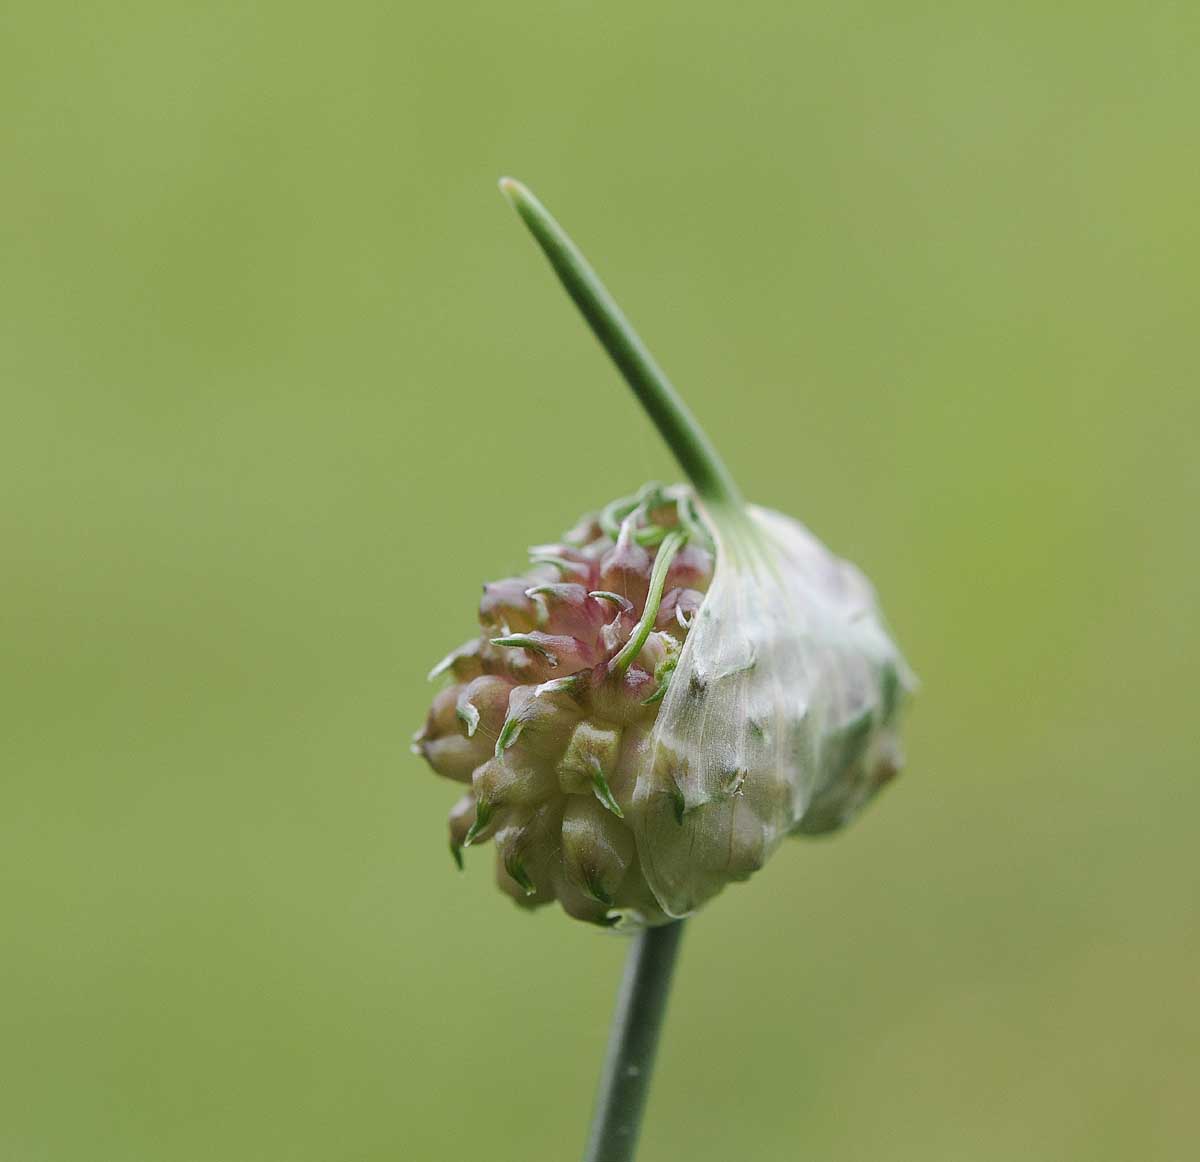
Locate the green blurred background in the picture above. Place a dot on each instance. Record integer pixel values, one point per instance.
(284, 379)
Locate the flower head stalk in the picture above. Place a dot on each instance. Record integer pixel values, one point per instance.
(665, 695)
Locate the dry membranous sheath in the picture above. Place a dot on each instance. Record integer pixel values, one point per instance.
(666, 693)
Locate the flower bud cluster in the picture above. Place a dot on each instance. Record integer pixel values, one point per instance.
(549, 713)
(658, 702)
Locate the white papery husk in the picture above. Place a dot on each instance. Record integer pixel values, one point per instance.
(780, 716)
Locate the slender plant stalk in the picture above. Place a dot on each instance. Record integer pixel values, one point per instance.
(629, 1062)
(692, 448)
(625, 1079)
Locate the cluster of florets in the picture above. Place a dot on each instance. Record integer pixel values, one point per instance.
(549, 711)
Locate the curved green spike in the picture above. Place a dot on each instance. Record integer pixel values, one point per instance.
(604, 792)
(560, 563)
(691, 521)
(554, 589)
(483, 815)
(522, 641)
(468, 715)
(516, 869)
(675, 541)
(663, 674)
(508, 734)
(614, 512)
(622, 603)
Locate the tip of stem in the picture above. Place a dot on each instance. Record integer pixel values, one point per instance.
(666, 409)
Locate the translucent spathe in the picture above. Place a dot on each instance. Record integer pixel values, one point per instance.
(780, 714)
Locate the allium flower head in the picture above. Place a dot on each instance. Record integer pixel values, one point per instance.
(638, 728)
(667, 693)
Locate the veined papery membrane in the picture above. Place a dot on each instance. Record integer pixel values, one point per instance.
(779, 716)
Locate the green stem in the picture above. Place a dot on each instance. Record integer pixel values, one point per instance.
(629, 1063)
(675, 422)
